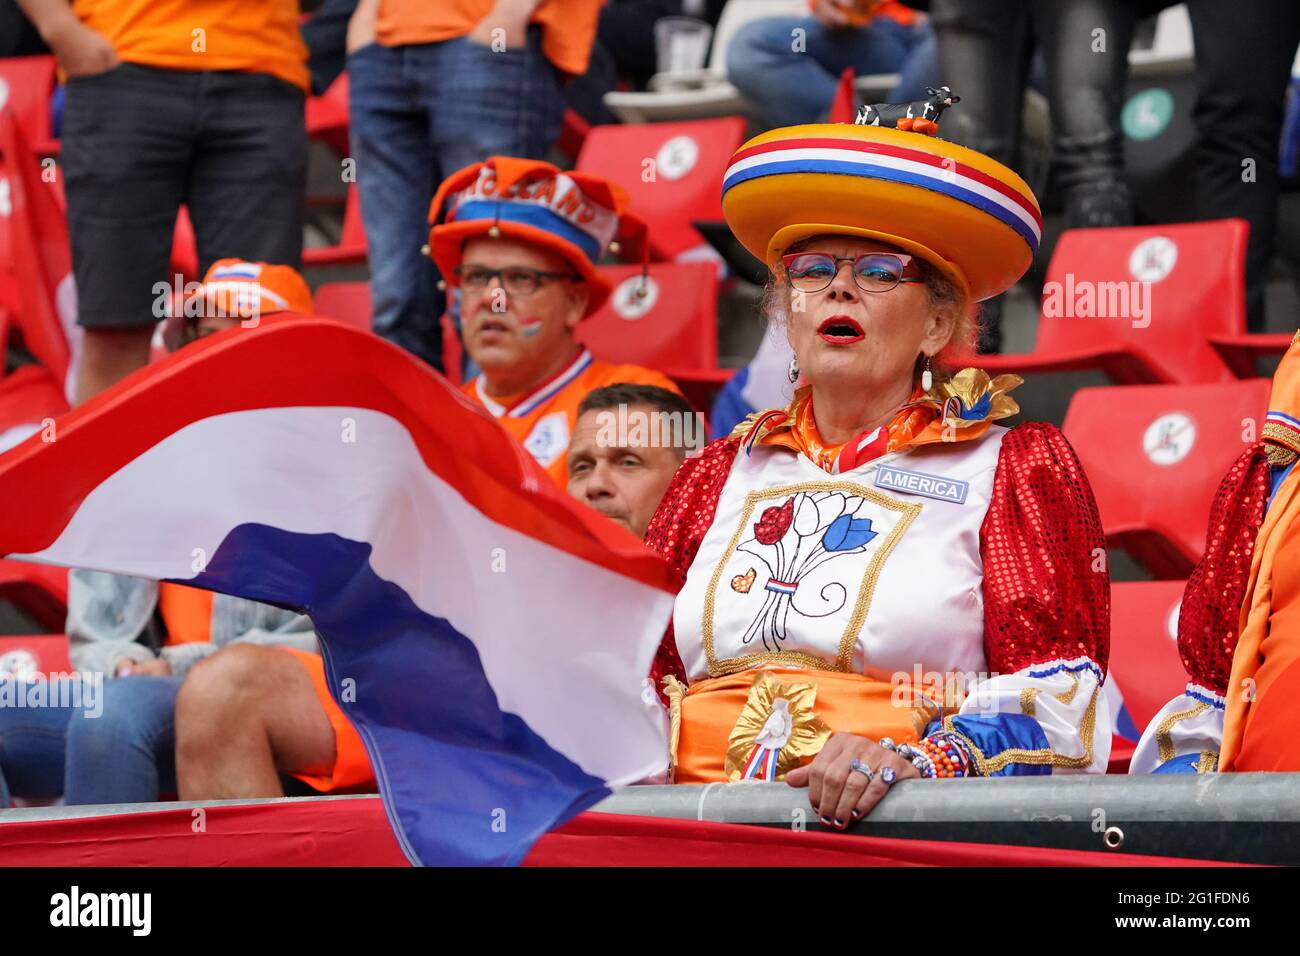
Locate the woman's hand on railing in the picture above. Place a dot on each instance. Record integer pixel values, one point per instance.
(849, 777)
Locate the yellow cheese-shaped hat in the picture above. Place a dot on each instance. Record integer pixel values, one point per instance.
(963, 212)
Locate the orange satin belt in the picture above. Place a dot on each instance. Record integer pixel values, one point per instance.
(848, 703)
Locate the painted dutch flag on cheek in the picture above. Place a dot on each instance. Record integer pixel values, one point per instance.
(496, 636)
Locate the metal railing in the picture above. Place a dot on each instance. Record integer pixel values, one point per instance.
(1246, 817)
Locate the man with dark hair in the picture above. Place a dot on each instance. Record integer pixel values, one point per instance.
(626, 446)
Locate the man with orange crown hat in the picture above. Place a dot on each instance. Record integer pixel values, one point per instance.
(880, 581)
(1239, 625)
(521, 239)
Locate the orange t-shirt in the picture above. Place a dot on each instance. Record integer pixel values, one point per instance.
(568, 26)
(187, 612)
(255, 36)
(542, 421)
(865, 12)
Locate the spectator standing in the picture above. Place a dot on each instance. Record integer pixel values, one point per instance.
(435, 87)
(168, 102)
(1244, 52)
(788, 67)
(985, 49)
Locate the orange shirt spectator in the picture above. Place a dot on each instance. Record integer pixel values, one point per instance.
(568, 26)
(542, 420)
(259, 37)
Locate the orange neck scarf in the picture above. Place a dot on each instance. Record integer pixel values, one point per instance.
(959, 409)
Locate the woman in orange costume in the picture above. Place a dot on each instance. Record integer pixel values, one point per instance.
(1239, 626)
(878, 582)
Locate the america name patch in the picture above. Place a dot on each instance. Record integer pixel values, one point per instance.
(919, 483)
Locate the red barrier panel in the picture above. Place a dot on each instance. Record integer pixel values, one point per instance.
(356, 833)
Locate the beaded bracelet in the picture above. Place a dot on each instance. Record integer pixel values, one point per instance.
(945, 755)
(961, 747)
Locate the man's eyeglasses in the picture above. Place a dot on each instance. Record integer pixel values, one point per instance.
(873, 272)
(516, 280)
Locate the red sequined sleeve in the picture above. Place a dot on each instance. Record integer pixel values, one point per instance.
(1208, 620)
(1046, 589)
(685, 513)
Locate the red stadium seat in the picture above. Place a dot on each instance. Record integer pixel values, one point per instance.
(1194, 274)
(1144, 659)
(572, 135)
(28, 396)
(41, 590)
(26, 85)
(673, 328)
(351, 249)
(674, 325)
(672, 172)
(35, 261)
(1240, 352)
(185, 250)
(327, 116)
(34, 654)
(1155, 454)
(346, 301)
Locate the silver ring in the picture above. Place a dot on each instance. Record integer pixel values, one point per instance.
(888, 775)
(862, 768)
(888, 743)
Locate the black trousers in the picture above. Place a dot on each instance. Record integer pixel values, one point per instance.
(985, 49)
(1244, 51)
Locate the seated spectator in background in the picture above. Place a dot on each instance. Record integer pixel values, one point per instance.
(788, 67)
(521, 239)
(236, 292)
(625, 48)
(626, 447)
(434, 87)
(178, 101)
(1239, 623)
(146, 637)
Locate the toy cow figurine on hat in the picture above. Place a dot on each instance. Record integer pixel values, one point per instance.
(919, 116)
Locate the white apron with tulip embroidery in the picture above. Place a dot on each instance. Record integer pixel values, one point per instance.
(868, 571)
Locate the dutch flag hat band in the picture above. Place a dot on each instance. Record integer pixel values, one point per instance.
(575, 215)
(963, 212)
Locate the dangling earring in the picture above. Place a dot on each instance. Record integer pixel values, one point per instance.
(794, 369)
(927, 379)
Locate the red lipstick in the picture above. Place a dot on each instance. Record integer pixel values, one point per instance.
(840, 330)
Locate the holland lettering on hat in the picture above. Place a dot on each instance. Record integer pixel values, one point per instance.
(919, 483)
(557, 195)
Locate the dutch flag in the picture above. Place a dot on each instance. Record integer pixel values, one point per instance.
(494, 636)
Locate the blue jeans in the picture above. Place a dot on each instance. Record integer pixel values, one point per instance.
(790, 85)
(420, 113)
(126, 754)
